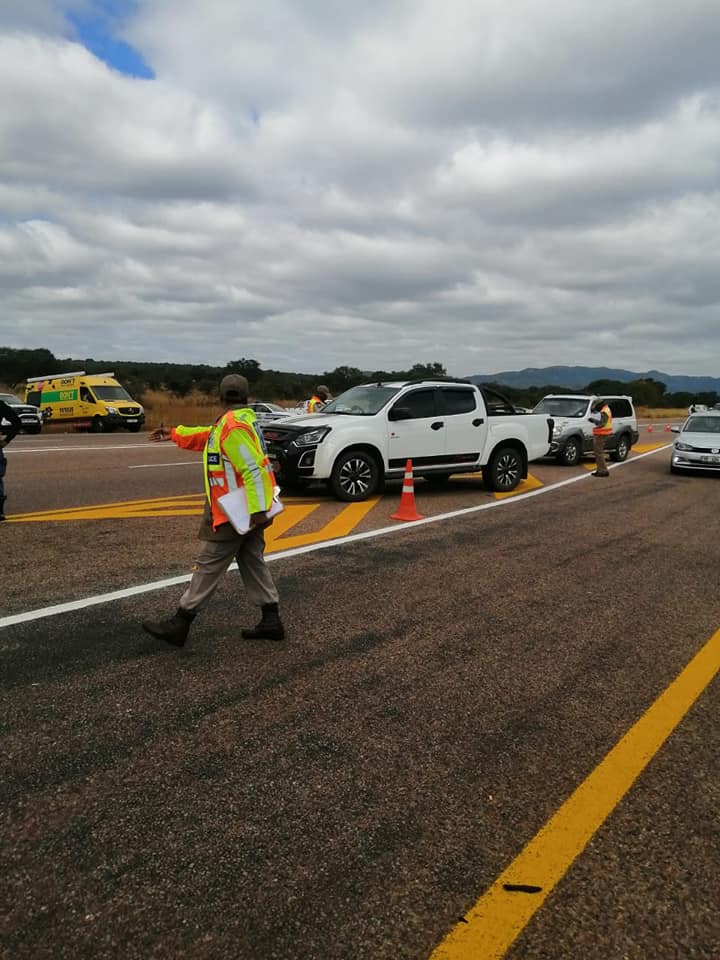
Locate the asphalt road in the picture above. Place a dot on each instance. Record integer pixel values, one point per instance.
(352, 792)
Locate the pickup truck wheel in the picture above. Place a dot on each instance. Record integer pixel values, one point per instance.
(355, 476)
(571, 453)
(504, 471)
(622, 449)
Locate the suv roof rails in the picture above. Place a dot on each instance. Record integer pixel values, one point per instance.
(441, 379)
(56, 376)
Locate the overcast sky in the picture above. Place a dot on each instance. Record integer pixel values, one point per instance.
(491, 184)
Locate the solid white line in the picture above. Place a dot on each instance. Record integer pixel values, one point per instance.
(121, 446)
(180, 463)
(61, 608)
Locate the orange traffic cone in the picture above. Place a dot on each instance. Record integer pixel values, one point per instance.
(407, 509)
(650, 428)
(667, 428)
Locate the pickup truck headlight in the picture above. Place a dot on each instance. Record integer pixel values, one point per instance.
(312, 437)
(111, 409)
(682, 446)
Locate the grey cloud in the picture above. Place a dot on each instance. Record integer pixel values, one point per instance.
(484, 184)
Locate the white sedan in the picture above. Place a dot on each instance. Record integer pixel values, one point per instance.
(697, 446)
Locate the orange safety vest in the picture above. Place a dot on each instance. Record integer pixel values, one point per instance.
(605, 431)
(313, 402)
(233, 456)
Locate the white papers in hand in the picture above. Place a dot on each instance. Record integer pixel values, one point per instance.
(234, 506)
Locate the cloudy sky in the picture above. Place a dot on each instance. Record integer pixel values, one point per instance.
(492, 184)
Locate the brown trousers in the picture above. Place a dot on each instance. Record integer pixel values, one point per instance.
(599, 451)
(213, 559)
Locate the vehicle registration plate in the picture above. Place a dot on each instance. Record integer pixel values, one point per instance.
(133, 420)
(710, 459)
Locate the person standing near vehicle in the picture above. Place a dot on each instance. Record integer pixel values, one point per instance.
(233, 456)
(318, 400)
(601, 418)
(7, 433)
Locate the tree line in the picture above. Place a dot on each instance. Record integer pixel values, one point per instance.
(181, 379)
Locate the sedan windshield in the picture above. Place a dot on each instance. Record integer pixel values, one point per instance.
(562, 406)
(10, 398)
(702, 425)
(111, 393)
(363, 401)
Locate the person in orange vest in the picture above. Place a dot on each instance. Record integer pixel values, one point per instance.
(234, 456)
(318, 400)
(601, 418)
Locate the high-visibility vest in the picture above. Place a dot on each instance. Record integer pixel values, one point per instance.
(313, 403)
(601, 431)
(233, 456)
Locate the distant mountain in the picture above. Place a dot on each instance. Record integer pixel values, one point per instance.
(578, 377)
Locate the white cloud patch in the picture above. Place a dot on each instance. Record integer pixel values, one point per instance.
(489, 184)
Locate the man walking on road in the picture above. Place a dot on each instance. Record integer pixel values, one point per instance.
(233, 456)
(7, 433)
(601, 417)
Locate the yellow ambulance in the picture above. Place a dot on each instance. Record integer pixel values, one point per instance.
(95, 401)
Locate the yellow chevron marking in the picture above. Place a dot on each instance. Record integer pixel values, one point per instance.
(192, 505)
(340, 526)
(532, 483)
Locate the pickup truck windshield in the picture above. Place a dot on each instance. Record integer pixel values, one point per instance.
(111, 393)
(562, 407)
(363, 401)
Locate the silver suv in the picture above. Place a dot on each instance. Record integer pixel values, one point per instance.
(572, 435)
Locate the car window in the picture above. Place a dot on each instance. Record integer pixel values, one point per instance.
(562, 406)
(457, 400)
(34, 398)
(420, 403)
(703, 425)
(620, 408)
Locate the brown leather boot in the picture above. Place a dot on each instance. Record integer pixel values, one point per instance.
(270, 626)
(174, 630)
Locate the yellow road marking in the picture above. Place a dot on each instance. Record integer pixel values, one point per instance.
(187, 505)
(645, 447)
(531, 483)
(500, 916)
(340, 526)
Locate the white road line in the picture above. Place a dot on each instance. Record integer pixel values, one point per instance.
(123, 446)
(69, 607)
(180, 463)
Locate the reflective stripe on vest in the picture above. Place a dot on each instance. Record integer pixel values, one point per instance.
(601, 431)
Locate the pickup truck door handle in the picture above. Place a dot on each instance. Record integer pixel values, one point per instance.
(438, 425)
(478, 421)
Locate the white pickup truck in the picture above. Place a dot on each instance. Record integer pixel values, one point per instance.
(444, 426)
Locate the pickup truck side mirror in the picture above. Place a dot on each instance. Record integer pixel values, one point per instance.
(399, 413)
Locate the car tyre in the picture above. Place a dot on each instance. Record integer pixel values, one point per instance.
(505, 470)
(571, 453)
(97, 425)
(674, 470)
(134, 428)
(355, 476)
(622, 449)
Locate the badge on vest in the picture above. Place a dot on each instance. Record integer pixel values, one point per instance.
(213, 459)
